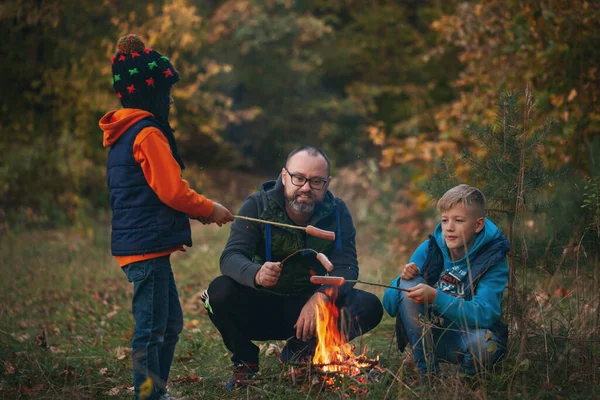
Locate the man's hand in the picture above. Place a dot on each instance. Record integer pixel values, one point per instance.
(410, 271)
(422, 294)
(268, 274)
(307, 321)
(220, 215)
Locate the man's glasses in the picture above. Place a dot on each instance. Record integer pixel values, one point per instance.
(299, 180)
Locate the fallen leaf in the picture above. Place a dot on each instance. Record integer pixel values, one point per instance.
(111, 314)
(488, 335)
(191, 324)
(541, 297)
(561, 292)
(557, 100)
(524, 365)
(9, 369)
(572, 95)
(122, 352)
(575, 376)
(103, 371)
(40, 339)
(114, 391)
(56, 350)
(492, 348)
(34, 389)
(21, 338)
(189, 378)
(68, 372)
(273, 349)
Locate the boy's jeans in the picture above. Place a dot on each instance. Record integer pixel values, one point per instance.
(158, 322)
(435, 338)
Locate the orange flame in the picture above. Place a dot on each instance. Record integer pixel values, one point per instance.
(333, 351)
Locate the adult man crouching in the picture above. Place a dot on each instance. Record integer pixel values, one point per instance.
(258, 297)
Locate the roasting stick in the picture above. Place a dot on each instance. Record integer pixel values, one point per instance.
(339, 281)
(311, 230)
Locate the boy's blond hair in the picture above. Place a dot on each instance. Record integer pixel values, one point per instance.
(468, 195)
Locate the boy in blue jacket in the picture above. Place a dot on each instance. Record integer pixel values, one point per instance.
(454, 282)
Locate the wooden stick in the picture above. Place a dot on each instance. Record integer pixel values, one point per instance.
(339, 281)
(311, 230)
(380, 285)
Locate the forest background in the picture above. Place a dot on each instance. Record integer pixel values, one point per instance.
(406, 97)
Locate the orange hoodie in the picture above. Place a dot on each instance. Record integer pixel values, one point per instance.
(162, 172)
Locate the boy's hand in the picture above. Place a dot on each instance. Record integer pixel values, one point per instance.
(220, 215)
(410, 271)
(268, 274)
(422, 294)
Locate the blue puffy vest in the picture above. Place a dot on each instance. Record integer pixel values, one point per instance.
(141, 223)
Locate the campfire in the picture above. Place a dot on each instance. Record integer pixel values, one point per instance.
(335, 359)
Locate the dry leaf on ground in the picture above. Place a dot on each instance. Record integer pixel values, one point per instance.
(122, 353)
(189, 378)
(9, 369)
(40, 339)
(116, 390)
(274, 349)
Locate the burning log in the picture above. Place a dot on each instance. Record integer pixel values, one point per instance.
(331, 376)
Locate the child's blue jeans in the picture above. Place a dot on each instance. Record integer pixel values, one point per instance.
(158, 322)
(435, 338)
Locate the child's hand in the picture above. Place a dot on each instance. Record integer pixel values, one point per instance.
(422, 294)
(203, 220)
(220, 215)
(410, 271)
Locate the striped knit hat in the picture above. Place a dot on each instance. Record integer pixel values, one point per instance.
(142, 77)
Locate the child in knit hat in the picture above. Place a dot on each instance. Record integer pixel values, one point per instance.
(151, 206)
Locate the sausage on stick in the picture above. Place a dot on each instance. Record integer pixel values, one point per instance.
(322, 258)
(310, 230)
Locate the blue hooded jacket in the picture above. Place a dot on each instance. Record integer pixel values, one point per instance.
(459, 302)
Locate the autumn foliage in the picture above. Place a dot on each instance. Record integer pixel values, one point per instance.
(392, 81)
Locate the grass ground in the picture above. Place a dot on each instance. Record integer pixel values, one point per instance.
(65, 328)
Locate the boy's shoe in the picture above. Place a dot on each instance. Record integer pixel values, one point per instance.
(242, 374)
(295, 350)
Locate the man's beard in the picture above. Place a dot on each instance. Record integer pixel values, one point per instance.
(301, 207)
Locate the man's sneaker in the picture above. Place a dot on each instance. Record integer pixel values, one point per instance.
(242, 374)
(296, 350)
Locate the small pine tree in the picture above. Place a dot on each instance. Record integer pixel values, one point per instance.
(507, 165)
